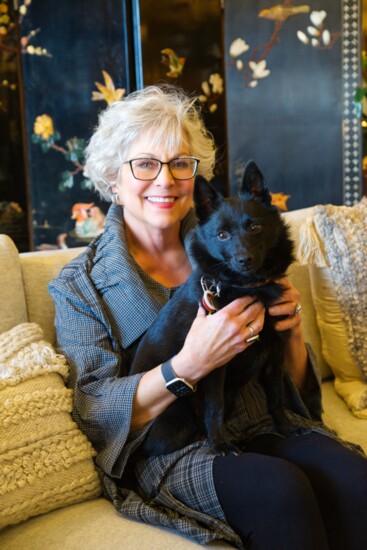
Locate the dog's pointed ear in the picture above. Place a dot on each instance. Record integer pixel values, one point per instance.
(253, 184)
(206, 198)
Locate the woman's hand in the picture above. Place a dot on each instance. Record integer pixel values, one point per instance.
(296, 353)
(213, 340)
(287, 307)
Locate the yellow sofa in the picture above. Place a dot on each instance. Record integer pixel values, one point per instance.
(93, 524)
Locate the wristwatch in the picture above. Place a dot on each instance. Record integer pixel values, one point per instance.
(178, 386)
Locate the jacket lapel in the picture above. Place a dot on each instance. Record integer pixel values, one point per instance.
(132, 302)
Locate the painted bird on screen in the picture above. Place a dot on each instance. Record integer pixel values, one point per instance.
(281, 12)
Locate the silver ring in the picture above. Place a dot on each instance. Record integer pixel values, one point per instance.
(252, 332)
(297, 310)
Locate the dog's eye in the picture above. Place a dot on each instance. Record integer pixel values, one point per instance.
(256, 227)
(223, 235)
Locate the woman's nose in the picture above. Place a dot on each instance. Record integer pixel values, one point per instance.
(165, 177)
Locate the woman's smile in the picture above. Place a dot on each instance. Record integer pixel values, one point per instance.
(162, 202)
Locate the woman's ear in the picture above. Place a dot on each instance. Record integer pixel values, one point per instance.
(115, 196)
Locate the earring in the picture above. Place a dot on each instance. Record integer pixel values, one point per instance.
(115, 199)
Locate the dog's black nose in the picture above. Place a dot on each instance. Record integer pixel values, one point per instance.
(245, 261)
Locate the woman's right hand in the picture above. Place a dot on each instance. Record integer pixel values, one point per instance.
(213, 340)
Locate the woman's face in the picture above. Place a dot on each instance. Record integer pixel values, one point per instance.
(159, 204)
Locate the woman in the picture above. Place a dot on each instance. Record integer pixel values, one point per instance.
(302, 489)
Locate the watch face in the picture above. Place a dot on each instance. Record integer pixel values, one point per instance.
(179, 388)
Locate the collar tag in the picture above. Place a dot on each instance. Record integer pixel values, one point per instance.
(207, 301)
(209, 294)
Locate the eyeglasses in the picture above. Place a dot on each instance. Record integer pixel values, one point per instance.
(147, 169)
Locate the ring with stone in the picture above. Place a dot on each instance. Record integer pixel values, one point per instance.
(297, 310)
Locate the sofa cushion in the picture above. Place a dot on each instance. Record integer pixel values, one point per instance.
(45, 460)
(338, 417)
(94, 525)
(338, 274)
(12, 299)
(38, 268)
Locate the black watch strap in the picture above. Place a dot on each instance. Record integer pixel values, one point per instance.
(178, 386)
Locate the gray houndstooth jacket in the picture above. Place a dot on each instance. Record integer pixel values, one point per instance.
(104, 303)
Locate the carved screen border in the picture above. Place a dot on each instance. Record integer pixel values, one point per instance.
(351, 78)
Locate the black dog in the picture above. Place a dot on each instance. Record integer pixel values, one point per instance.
(241, 245)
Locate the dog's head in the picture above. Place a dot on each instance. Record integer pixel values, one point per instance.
(244, 237)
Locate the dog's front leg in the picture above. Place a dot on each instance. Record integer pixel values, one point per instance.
(213, 392)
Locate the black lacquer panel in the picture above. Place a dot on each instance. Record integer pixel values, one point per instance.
(81, 40)
(288, 106)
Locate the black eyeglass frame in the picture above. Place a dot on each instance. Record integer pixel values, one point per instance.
(160, 167)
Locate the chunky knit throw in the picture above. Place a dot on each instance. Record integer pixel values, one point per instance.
(333, 242)
(336, 236)
(45, 460)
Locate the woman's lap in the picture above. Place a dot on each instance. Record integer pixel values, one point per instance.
(188, 479)
(302, 486)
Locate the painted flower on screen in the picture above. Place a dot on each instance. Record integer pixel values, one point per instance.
(259, 69)
(317, 35)
(238, 47)
(216, 82)
(107, 92)
(44, 127)
(212, 89)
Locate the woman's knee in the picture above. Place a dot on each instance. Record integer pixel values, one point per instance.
(264, 497)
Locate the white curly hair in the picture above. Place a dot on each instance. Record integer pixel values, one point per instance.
(166, 113)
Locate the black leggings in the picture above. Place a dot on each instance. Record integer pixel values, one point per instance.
(302, 493)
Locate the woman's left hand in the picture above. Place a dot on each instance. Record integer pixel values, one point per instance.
(287, 307)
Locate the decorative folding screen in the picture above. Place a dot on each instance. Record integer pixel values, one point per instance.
(76, 58)
(291, 73)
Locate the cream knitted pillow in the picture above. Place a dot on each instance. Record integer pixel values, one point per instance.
(45, 460)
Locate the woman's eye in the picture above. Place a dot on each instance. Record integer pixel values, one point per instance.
(146, 164)
(256, 228)
(223, 235)
(181, 163)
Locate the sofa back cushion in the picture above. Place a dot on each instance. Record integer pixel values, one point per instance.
(38, 268)
(12, 298)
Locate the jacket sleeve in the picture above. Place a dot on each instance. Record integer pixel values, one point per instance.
(103, 391)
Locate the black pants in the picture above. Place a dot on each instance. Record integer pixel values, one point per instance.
(302, 493)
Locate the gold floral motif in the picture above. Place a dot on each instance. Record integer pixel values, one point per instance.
(107, 92)
(279, 200)
(213, 90)
(44, 126)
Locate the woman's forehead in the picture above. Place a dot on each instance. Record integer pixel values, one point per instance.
(153, 142)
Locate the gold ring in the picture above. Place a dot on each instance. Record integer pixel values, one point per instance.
(253, 337)
(297, 309)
